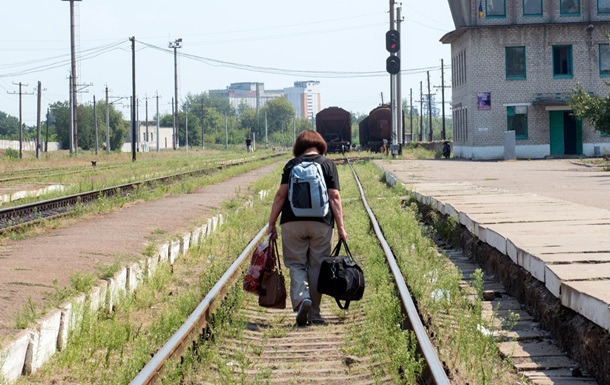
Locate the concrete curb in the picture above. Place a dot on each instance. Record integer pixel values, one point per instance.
(29, 350)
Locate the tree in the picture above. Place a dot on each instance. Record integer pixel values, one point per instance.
(86, 126)
(279, 115)
(9, 126)
(595, 109)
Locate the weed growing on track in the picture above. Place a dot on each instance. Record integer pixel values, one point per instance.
(456, 323)
(111, 347)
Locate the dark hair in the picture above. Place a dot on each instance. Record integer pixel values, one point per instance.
(308, 139)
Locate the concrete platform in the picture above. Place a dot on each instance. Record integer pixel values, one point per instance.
(561, 242)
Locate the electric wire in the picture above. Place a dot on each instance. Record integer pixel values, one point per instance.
(281, 71)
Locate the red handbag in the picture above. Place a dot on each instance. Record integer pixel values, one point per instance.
(262, 259)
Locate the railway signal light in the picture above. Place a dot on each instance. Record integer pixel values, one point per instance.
(392, 65)
(392, 41)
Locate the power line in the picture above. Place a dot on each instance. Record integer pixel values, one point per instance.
(281, 71)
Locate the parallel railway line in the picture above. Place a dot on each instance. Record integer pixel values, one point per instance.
(13, 218)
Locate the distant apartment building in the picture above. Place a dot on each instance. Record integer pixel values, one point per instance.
(250, 94)
(304, 96)
(514, 65)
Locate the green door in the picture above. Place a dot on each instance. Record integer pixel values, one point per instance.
(556, 129)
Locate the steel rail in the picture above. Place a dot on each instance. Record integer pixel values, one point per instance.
(15, 217)
(192, 328)
(434, 366)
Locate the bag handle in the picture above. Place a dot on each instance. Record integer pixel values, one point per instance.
(276, 255)
(337, 249)
(342, 307)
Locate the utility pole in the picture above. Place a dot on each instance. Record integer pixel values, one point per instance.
(95, 124)
(266, 128)
(46, 144)
(186, 130)
(107, 123)
(175, 45)
(73, 100)
(226, 133)
(421, 112)
(202, 127)
(38, 123)
(442, 87)
(429, 108)
(443, 135)
(20, 93)
(411, 111)
(133, 98)
(147, 133)
(158, 119)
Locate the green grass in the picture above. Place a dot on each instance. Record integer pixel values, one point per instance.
(453, 317)
(110, 348)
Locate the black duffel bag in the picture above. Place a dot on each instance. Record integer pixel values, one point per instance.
(341, 277)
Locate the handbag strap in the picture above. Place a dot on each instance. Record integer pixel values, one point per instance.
(276, 256)
(337, 249)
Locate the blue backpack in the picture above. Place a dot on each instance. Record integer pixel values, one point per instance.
(307, 191)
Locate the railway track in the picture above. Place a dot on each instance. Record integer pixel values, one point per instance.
(13, 218)
(270, 349)
(292, 359)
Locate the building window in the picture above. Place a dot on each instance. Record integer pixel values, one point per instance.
(569, 7)
(515, 63)
(562, 61)
(604, 60)
(517, 121)
(532, 7)
(495, 8)
(603, 6)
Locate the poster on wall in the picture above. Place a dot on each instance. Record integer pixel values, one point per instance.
(484, 100)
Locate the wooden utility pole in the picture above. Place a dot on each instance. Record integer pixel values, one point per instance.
(429, 109)
(411, 112)
(158, 119)
(421, 112)
(20, 93)
(133, 98)
(95, 124)
(38, 123)
(443, 134)
(107, 122)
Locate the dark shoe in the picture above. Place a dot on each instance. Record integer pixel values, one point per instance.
(302, 313)
(318, 321)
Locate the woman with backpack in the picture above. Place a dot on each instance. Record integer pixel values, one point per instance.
(308, 217)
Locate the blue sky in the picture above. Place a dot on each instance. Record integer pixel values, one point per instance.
(266, 40)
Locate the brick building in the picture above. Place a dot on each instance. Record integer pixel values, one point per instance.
(514, 65)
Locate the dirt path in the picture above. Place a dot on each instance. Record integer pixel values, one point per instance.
(31, 269)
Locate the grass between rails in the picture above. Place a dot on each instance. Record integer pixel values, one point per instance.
(111, 348)
(83, 282)
(454, 319)
(380, 337)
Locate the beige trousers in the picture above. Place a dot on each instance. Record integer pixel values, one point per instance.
(304, 245)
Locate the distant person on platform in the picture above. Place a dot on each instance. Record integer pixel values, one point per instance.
(248, 144)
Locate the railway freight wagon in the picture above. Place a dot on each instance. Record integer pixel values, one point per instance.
(335, 126)
(377, 128)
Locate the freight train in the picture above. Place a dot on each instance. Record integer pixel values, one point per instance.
(375, 131)
(335, 126)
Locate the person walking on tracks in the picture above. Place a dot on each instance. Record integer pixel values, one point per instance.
(309, 202)
(248, 144)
